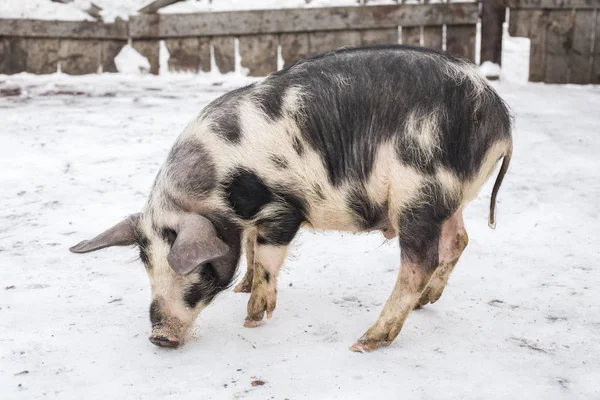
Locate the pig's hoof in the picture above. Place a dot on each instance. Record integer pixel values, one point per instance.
(366, 345)
(252, 324)
(164, 341)
(429, 296)
(243, 287)
(261, 301)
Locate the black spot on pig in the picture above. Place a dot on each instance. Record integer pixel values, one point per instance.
(281, 225)
(319, 191)
(421, 221)
(270, 101)
(247, 193)
(368, 215)
(279, 161)
(209, 284)
(168, 235)
(227, 126)
(156, 316)
(224, 116)
(267, 276)
(298, 146)
(142, 242)
(191, 169)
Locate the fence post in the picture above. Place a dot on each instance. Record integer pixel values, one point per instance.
(493, 15)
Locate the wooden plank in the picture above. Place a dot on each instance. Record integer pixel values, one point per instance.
(551, 4)
(321, 42)
(303, 20)
(42, 55)
(537, 50)
(519, 23)
(110, 49)
(580, 58)
(184, 54)
(79, 57)
(204, 54)
(379, 36)
(460, 41)
(433, 37)
(259, 54)
(151, 50)
(224, 51)
(493, 13)
(411, 36)
(559, 41)
(294, 47)
(156, 5)
(63, 29)
(596, 53)
(13, 52)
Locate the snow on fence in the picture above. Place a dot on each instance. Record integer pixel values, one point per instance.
(565, 38)
(87, 47)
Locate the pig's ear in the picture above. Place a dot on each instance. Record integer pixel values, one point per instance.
(122, 234)
(197, 243)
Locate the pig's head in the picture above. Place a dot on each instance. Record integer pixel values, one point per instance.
(189, 259)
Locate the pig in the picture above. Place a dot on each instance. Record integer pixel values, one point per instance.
(391, 138)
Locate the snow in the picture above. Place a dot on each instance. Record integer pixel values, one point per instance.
(490, 69)
(519, 317)
(112, 9)
(129, 61)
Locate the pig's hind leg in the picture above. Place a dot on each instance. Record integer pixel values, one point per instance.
(426, 228)
(452, 244)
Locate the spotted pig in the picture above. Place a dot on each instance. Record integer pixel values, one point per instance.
(389, 138)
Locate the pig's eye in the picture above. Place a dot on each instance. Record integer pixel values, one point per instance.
(168, 235)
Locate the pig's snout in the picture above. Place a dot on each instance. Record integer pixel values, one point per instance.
(167, 330)
(164, 341)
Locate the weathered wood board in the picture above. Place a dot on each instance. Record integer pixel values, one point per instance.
(379, 36)
(433, 37)
(596, 55)
(559, 41)
(189, 54)
(110, 49)
(519, 23)
(42, 55)
(411, 36)
(460, 41)
(302, 19)
(492, 19)
(63, 29)
(550, 4)
(13, 55)
(294, 47)
(580, 57)
(537, 50)
(224, 51)
(79, 57)
(320, 42)
(259, 54)
(151, 50)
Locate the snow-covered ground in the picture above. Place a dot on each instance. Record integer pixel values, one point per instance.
(520, 317)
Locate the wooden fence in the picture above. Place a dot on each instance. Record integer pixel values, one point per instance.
(565, 38)
(84, 47)
(80, 46)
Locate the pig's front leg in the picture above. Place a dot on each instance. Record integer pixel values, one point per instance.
(245, 285)
(263, 298)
